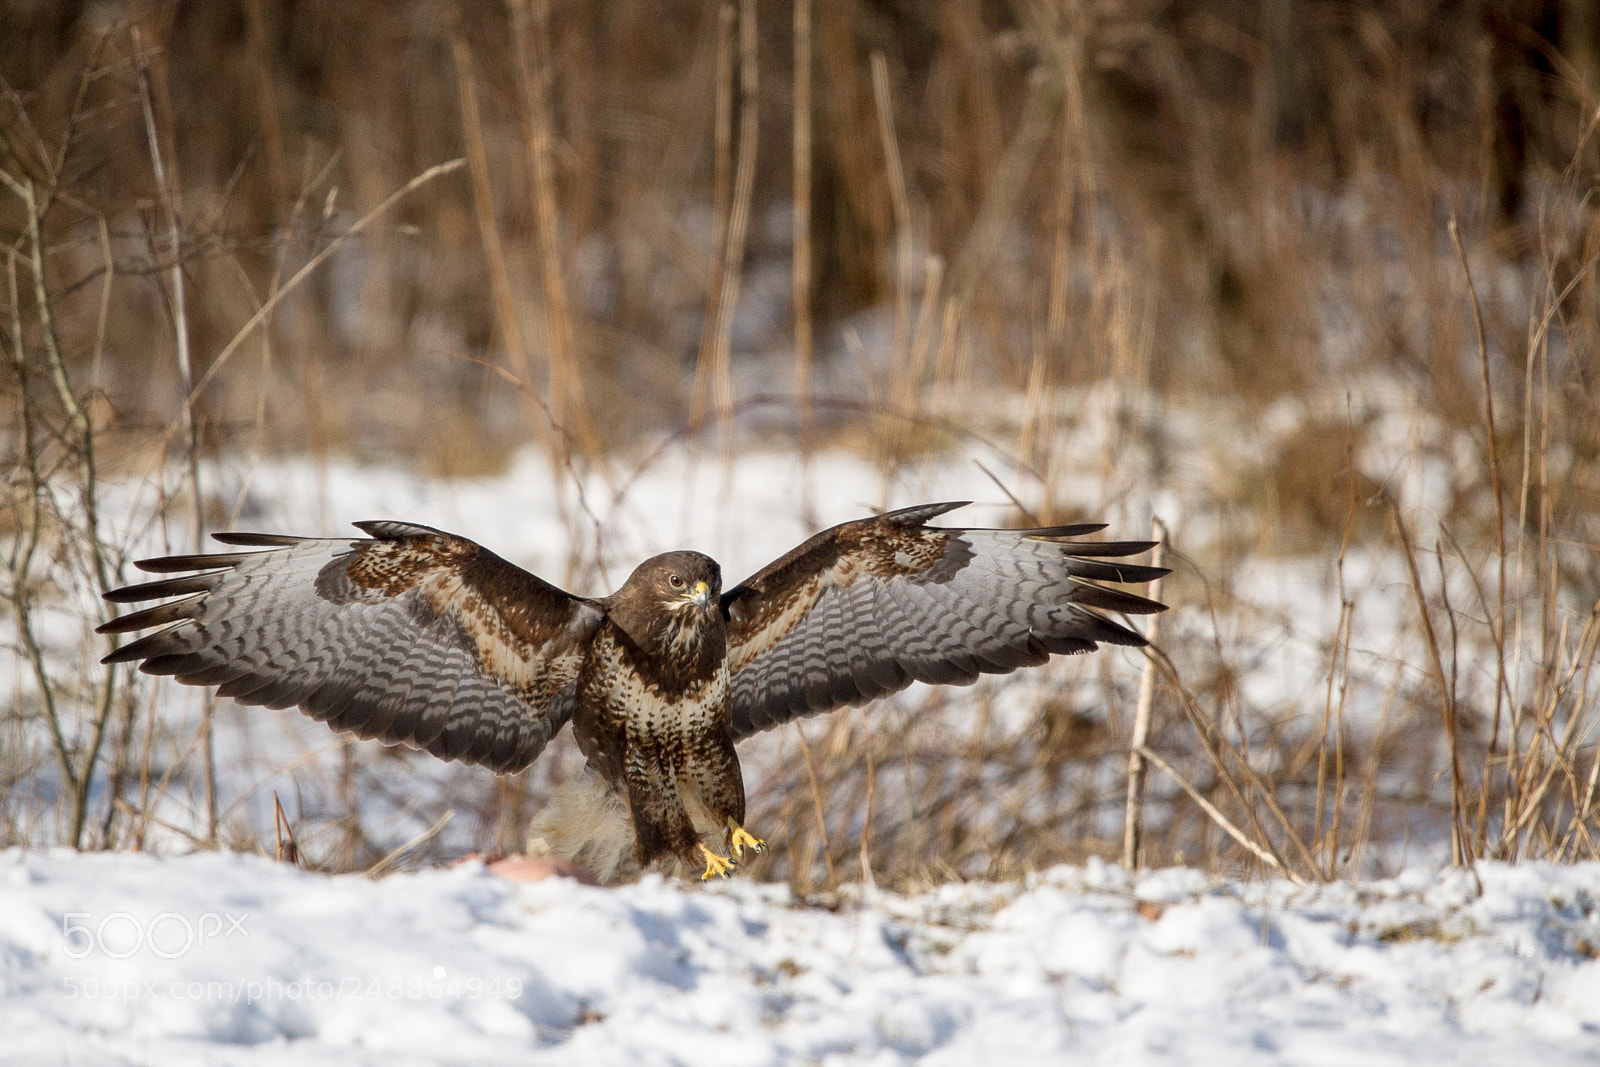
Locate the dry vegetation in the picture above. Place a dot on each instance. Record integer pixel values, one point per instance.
(1333, 266)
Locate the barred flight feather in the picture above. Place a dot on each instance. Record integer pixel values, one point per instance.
(412, 636)
(918, 603)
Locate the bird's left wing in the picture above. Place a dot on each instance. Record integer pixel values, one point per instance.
(868, 607)
(410, 636)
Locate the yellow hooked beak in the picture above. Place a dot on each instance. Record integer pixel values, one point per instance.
(700, 594)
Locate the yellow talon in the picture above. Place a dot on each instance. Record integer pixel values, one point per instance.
(740, 839)
(716, 866)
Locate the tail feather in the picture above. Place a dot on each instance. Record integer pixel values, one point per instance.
(589, 824)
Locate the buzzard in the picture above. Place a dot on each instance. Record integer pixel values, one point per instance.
(412, 635)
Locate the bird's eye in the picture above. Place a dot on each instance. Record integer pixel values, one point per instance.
(677, 583)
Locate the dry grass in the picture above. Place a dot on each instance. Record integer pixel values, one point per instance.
(1321, 277)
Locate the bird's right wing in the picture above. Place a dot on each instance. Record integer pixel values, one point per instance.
(410, 636)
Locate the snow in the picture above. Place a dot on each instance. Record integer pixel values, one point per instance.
(216, 958)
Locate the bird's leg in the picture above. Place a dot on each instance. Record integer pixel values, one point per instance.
(660, 822)
(717, 866)
(711, 783)
(740, 839)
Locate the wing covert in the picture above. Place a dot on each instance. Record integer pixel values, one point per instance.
(411, 635)
(868, 607)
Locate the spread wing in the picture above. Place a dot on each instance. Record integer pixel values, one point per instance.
(412, 636)
(868, 607)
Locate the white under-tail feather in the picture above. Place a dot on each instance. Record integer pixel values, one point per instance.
(589, 823)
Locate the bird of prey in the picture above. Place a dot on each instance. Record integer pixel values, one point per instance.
(412, 635)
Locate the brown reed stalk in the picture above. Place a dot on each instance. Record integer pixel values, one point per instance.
(1520, 771)
(865, 848)
(507, 312)
(1005, 191)
(1461, 852)
(1338, 669)
(266, 101)
(798, 871)
(1227, 757)
(901, 387)
(30, 521)
(150, 86)
(1133, 807)
(392, 860)
(713, 371)
(1548, 756)
(803, 341)
(1497, 622)
(569, 407)
(733, 186)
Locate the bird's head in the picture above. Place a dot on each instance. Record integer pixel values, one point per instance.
(672, 600)
(679, 581)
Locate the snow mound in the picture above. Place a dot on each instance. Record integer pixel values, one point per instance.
(212, 958)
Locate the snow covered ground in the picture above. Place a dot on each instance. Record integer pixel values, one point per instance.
(231, 959)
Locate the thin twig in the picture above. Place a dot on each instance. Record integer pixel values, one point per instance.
(288, 849)
(436, 171)
(84, 445)
(1497, 623)
(900, 385)
(866, 816)
(1133, 808)
(1204, 730)
(392, 860)
(1220, 819)
(507, 312)
(180, 328)
(803, 340)
(26, 540)
(818, 810)
(1461, 855)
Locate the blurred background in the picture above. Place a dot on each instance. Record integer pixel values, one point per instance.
(1311, 282)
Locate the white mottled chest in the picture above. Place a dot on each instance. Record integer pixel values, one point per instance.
(656, 713)
(655, 717)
